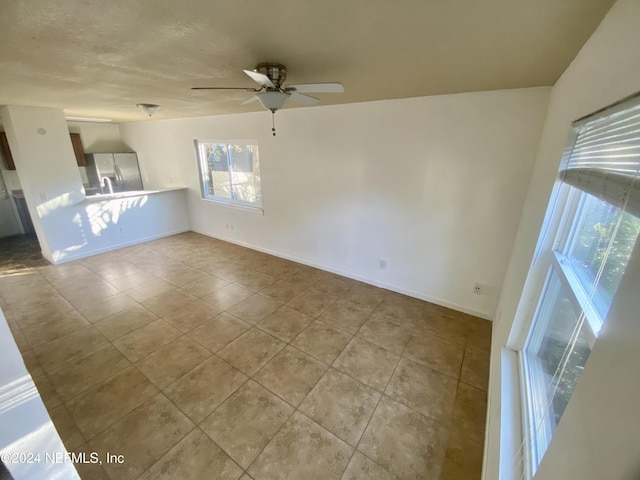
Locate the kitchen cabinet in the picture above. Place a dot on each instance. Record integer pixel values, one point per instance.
(6, 152)
(76, 142)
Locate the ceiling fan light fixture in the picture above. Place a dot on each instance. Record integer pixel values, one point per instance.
(148, 108)
(272, 100)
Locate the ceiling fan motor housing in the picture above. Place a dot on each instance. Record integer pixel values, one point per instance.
(276, 72)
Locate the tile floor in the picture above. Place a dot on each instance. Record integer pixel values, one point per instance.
(198, 359)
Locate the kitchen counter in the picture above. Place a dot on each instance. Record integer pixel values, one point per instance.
(121, 195)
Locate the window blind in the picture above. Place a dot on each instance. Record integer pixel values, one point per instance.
(605, 158)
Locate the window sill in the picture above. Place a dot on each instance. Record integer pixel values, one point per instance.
(236, 206)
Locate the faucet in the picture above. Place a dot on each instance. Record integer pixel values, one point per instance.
(106, 182)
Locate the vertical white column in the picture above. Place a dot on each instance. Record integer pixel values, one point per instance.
(45, 162)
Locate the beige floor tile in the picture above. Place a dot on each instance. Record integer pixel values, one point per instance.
(303, 275)
(146, 340)
(101, 406)
(148, 290)
(231, 272)
(302, 449)
(201, 390)
(54, 328)
(285, 323)
(256, 281)
(195, 457)
(332, 284)
(205, 286)
(163, 305)
(219, 331)
(406, 310)
(470, 411)
(103, 392)
(346, 316)
(367, 363)
(36, 313)
(79, 375)
(363, 468)
(443, 322)
(125, 322)
(463, 458)
(86, 296)
(322, 341)
(48, 394)
(111, 306)
(291, 374)
(276, 267)
(475, 368)
(251, 350)
(282, 291)
(254, 308)
(365, 295)
(111, 268)
(190, 316)
(86, 469)
(386, 333)
(183, 276)
(133, 280)
(437, 353)
(311, 303)
(68, 348)
(228, 296)
(404, 442)
(167, 364)
(478, 332)
(70, 286)
(142, 437)
(426, 391)
(341, 405)
(246, 422)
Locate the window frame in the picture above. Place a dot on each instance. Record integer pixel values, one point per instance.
(204, 179)
(519, 453)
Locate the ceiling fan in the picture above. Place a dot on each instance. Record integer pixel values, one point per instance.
(272, 94)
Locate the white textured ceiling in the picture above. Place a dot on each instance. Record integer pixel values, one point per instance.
(99, 58)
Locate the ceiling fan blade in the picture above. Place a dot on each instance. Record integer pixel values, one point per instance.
(226, 88)
(304, 99)
(250, 100)
(261, 78)
(332, 87)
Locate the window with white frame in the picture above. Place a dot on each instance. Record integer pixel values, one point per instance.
(230, 171)
(590, 231)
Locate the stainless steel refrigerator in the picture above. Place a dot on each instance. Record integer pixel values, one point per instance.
(114, 172)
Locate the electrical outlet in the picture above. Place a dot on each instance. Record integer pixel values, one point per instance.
(480, 288)
(382, 264)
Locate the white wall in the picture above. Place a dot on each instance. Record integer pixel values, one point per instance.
(433, 185)
(26, 426)
(606, 70)
(67, 225)
(98, 137)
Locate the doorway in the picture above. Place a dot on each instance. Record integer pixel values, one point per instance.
(9, 223)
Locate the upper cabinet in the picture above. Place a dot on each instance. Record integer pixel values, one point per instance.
(76, 142)
(6, 152)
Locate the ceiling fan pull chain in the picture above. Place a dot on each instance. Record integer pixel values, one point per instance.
(273, 122)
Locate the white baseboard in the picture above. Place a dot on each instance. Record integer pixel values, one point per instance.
(87, 253)
(360, 278)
